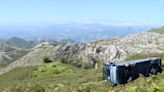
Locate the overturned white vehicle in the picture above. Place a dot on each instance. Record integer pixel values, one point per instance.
(121, 72)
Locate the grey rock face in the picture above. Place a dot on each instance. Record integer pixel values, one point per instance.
(90, 53)
(113, 50)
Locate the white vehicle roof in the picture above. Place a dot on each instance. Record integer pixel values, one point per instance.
(136, 61)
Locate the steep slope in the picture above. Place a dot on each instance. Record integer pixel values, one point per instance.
(10, 56)
(4, 47)
(33, 58)
(8, 53)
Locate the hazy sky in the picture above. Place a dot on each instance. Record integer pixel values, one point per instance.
(27, 12)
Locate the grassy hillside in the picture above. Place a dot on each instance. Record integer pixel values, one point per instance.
(33, 58)
(59, 77)
(8, 57)
(158, 30)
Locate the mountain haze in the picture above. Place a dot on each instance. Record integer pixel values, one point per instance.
(74, 31)
(20, 43)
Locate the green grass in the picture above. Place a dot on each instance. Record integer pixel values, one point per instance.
(78, 80)
(50, 69)
(2, 66)
(158, 30)
(140, 56)
(17, 74)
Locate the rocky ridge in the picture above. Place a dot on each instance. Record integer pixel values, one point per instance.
(113, 50)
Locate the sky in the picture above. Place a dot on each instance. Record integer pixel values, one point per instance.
(36, 12)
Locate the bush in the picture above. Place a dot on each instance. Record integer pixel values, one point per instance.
(47, 60)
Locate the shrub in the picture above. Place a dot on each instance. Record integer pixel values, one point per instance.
(47, 60)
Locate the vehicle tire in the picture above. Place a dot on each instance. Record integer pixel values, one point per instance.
(153, 70)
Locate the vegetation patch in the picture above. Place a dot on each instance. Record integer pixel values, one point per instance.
(50, 69)
(158, 30)
(141, 56)
(44, 78)
(17, 74)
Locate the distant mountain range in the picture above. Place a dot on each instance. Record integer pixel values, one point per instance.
(18, 42)
(74, 31)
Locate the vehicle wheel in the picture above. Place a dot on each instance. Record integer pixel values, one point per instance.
(153, 71)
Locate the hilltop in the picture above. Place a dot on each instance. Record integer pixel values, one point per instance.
(19, 43)
(158, 30)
